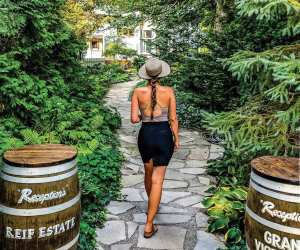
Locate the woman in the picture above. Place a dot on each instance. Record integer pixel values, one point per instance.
(158, 136)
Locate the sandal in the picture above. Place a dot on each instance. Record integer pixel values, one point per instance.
(150, 234)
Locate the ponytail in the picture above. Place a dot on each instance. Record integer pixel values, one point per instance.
(153, 95)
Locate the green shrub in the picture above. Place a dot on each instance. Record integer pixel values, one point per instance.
(48, 96)
(139, 61)
(118, 48)
(267, 121)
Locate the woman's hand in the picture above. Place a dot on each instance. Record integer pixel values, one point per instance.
(176, 144)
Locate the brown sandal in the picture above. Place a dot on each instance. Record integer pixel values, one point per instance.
(150, 234)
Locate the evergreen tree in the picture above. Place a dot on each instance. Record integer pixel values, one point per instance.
(269, 120)
(267, 123)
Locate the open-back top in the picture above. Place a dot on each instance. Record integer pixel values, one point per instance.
(163, 116)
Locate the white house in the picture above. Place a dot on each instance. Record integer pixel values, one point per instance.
(132, 38)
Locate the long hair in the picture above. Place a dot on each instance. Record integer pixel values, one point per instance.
(153, 83)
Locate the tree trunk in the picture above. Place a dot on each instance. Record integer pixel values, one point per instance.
(221, 15)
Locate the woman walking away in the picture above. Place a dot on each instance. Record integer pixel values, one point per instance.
(158, 135)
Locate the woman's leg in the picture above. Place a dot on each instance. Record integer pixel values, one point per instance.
(148, 176)
(155, 195)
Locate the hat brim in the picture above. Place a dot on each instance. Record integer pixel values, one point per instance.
(166, 70)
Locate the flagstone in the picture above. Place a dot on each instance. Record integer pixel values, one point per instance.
(189, 201)
(204, 180)
(176, 164)
(207, 241)
(167, 237)
(202, 142)
(216, 148)
(199, 205)
(127, 172)
(181, 154)
(199, 153)
(132, 180)
(186, 140)
(174, 184)
(137, 161)
(200, 190)
(168, 210)
(125, 246)
(113, 231)
(201, 220)
(163, 218)
(128, 139)
(213, 156)
(194, 171)
(132, 166)
(131, 227)
(194, 182)
(132, 194)
(168, 196)
(176, 175)
(117, 207)
(112, 217)
(196, 164)
(183, 132)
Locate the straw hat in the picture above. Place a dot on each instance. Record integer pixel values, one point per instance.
(154, 68)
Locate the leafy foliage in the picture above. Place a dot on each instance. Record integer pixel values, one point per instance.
(48, 96)
(138, 61)
(118, 48)
(194, 37)
(267, 123)
(81, 17)
(274, 10)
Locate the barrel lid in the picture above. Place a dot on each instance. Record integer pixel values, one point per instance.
(278, 168)
(40, 155)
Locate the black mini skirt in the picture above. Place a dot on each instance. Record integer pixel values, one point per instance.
(155, 141)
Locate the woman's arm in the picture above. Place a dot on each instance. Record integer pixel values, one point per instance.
(135, 118)
(173, 117)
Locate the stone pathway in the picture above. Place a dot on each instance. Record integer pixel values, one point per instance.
(181, 220)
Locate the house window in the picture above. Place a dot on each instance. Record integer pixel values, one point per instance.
(95, 44)
(147, 34)
(146, 48)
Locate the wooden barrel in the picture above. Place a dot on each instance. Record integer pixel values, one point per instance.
(39, 198)
(273, 204)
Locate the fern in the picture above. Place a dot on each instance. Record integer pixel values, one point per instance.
(30, 136)
(96, 121)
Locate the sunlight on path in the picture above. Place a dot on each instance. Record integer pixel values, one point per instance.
(182, 223)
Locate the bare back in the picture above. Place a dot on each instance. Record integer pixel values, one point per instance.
(164, 110)
(162, 98)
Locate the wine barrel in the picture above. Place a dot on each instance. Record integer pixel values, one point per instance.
(272, 220)
(39, 198)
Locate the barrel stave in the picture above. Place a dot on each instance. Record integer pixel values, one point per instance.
(13, 239)
(21, 195)
(40, 204)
